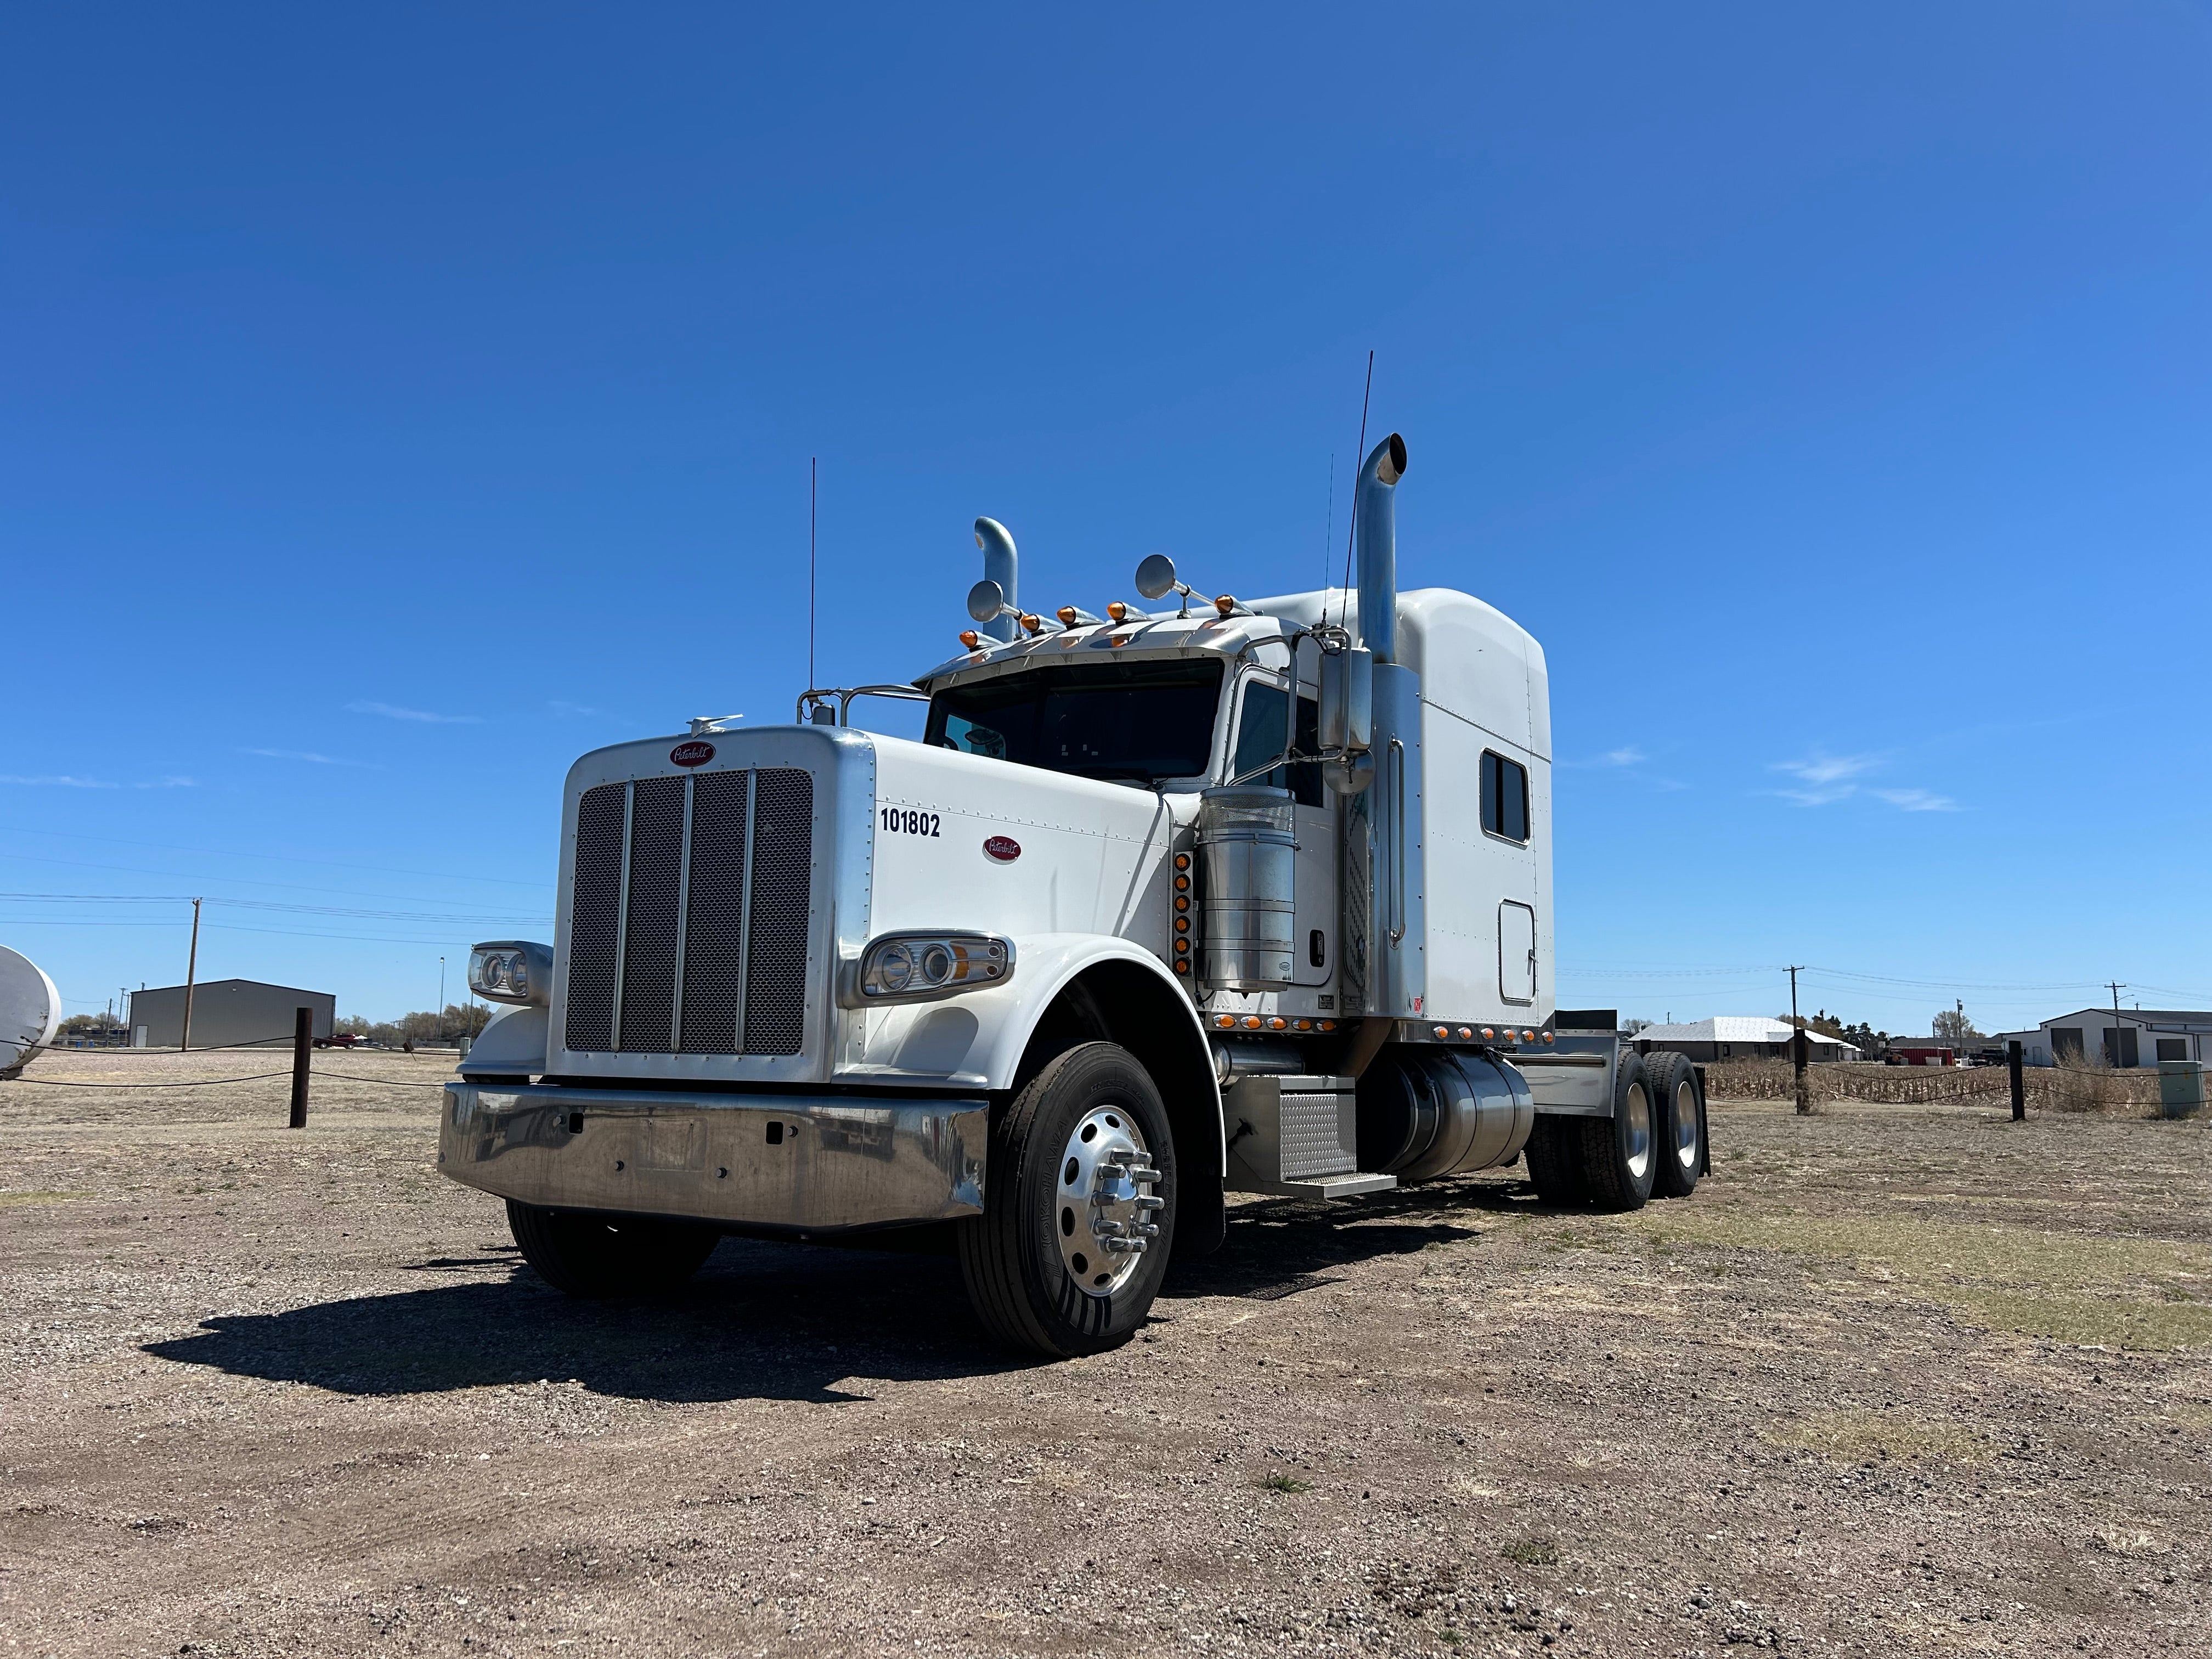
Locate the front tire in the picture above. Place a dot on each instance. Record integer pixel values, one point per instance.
(591, 1257)
(1079, 1208)
(1677, 1120)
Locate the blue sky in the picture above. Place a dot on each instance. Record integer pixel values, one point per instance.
(395, 402)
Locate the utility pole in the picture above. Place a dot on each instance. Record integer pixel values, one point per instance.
(441, 1000)
(191, 974)
(1797, 1051)
(2113, 1058)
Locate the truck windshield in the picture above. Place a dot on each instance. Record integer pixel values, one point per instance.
(1128, 722)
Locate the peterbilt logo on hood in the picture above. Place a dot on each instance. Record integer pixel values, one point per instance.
(692, 754)
(1005, 848)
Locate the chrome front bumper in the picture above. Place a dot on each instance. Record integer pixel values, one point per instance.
(809, 1164)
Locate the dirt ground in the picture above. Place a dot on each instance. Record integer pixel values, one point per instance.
(1895, 1380)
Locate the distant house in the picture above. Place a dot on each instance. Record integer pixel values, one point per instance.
(2132, 1037)
(226, 1013)
(1737, 1037)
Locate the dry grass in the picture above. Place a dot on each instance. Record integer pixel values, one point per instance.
(2071, 1087)
(1866, 1436)
(2141, 1293)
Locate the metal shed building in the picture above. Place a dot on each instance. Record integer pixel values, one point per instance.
(2129, 1036)
(226, 1012)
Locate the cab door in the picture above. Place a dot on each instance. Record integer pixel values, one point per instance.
(1262, 722)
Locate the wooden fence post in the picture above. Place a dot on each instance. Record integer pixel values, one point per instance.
(303, 1041)
(2018, 1082)
(1799, 1046)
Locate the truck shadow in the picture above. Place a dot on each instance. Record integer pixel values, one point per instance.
(760, 1321)
(1277, 1246)
(768, 1321)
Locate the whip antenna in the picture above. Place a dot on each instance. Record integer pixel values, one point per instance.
(812, 465)
(1352, 528)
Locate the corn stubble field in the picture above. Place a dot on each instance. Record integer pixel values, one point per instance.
(1899, 1379)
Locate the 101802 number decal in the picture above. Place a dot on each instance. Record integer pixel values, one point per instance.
(907, 821)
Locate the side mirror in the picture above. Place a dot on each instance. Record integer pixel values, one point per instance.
(1347, 701)
(1351, 774)
(987, 601)
(1156, 576)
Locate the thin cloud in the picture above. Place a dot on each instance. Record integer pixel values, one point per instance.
(1627, 755)
(393, 712)
(57, 781)
(310, 757)
(169, 783)
(575, 710)
(1917, 801)
(1825, 778)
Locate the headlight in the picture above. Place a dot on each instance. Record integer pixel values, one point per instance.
(922, 967)
(512, 970)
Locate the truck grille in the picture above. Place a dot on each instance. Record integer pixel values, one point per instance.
(687, 915)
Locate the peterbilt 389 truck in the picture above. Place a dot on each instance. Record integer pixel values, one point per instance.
(1224, 896)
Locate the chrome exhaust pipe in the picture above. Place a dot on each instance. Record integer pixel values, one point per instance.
(1378, 547)
(999, 564)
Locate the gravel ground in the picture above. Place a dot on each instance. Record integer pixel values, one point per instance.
(1895, 1380)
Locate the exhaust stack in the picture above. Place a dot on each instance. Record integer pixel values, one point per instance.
(1378, 547)
(999, 564)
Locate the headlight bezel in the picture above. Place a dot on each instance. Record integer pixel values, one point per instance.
(928, 964)
(513, 970)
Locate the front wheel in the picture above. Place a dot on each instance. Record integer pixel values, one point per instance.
(1079, 1208)
(597, 1255)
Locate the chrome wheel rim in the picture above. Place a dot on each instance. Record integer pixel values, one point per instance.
(1685, 1126)
(1105, 1201)
(1637, 1113)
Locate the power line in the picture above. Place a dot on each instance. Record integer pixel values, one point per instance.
(251, 881)
(463, 917)
(278, 858)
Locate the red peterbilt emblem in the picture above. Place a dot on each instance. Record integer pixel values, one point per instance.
(1005, 848)
(692, 754)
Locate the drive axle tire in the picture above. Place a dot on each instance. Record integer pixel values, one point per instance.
(1555, 1162)
(1079, 1208)
(1678, 1125)
(1620, 1153)
(585, 1254)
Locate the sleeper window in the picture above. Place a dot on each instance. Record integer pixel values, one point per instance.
(1504, 796)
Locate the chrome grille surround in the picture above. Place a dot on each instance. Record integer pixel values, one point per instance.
(702, 910)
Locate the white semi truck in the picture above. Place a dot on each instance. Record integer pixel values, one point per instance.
(1233, 895)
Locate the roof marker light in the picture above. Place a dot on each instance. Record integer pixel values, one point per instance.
(1034, 623)
(971, 639)
(1226, 604)
(1066, 615)
(1117, 610)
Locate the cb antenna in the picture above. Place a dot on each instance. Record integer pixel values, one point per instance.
(812, 466)
(1351, 525)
